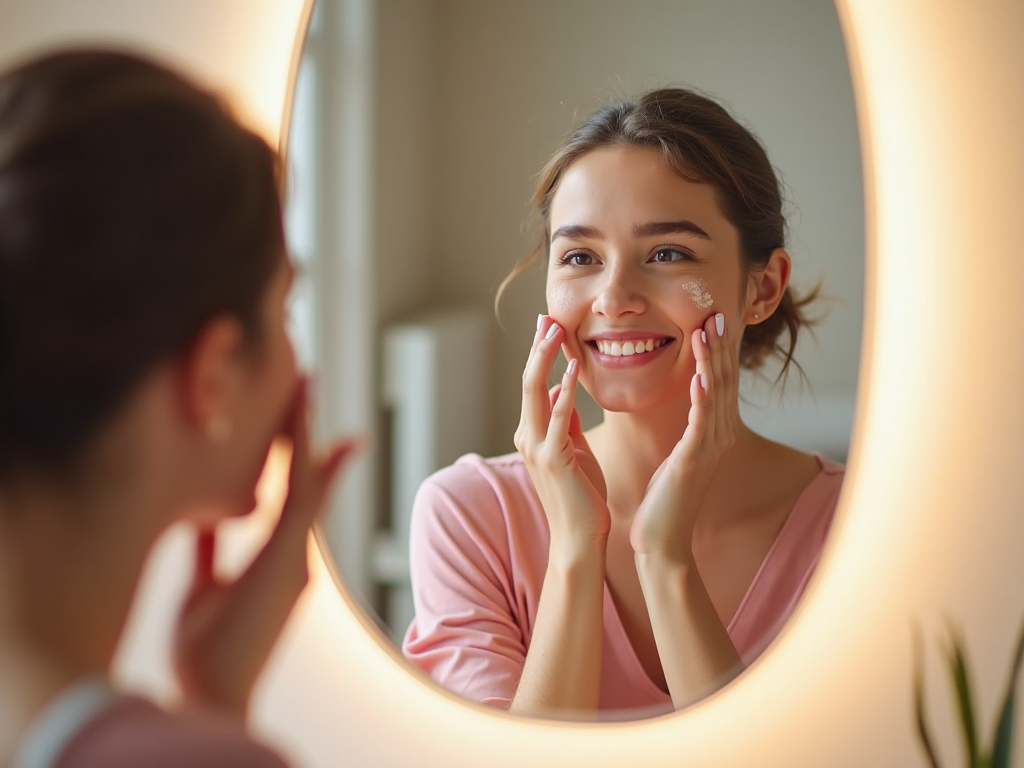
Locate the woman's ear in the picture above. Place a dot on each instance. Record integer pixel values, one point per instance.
(210, 377)
(766, 287)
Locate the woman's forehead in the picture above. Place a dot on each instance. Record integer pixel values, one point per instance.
(633, 186)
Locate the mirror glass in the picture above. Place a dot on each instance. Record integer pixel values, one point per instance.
(418, 133)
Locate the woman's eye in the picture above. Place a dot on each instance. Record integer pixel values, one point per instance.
(664, 255)
(577, 259)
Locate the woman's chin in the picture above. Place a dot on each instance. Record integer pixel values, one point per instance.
(622, 400)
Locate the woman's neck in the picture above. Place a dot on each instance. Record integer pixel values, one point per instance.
(69, 565)
(631, 446)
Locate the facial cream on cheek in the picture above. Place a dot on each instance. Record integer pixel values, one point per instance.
(699, 293)
(561, 299)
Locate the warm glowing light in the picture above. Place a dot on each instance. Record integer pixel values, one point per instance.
(930, 521)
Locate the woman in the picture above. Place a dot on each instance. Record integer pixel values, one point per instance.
(144, 372)
(643, 564)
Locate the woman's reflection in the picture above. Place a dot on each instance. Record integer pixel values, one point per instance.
(642, 564)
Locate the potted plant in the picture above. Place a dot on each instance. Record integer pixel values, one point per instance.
(997, 752)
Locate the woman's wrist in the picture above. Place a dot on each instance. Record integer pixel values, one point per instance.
(666, 557)
(574, 553)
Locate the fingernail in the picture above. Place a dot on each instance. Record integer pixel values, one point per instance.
(704, 381)
(540, 319)
(720, 323)
(572, 367)
(551, 331)
(704, 337)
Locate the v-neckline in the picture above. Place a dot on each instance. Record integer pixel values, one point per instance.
(621, 637)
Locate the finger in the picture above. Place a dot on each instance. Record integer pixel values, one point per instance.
(536, 340)
(687, 449)
(298, 432)
(536, 405)
(729, 403)
(337, 457)
(701, 341)
(575, 424)
(718, 350)
(562, 409)
(206, 551)
(554, 392)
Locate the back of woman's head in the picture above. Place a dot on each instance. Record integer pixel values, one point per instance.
(133, 209)
(701, 142)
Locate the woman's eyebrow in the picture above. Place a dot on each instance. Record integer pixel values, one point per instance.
(577, 232)
(683, 226)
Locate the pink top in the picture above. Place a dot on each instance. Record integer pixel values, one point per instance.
(479, 547)
(89, 725)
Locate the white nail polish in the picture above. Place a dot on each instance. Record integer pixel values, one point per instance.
(704, 381)
(704, 337)
(720, 323)
(540, 319)
(551, 331)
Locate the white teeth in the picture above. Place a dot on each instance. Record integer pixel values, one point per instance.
(627, 348)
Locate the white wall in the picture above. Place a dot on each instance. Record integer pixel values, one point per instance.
(508, 80)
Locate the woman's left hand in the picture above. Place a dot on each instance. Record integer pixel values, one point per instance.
(226, 631)
(664, 522)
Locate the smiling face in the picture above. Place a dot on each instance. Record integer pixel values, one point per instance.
(639, 258)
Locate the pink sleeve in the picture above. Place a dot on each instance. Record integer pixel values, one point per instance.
(465, 636)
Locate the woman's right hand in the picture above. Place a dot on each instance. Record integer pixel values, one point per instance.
(564, 471)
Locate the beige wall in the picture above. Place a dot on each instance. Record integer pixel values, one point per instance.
(507, 80)
(405, 157)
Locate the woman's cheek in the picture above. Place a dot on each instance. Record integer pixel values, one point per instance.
(699, 293)
(562, 300)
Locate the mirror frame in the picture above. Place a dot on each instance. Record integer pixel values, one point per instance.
(861, 616)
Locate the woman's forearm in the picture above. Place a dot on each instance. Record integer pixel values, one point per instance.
(562, 673)
(696, 653)
(228, 640)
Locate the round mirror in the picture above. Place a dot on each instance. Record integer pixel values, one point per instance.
(419, 130)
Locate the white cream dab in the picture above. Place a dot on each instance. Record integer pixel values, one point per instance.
(561, 299)
(699, 293)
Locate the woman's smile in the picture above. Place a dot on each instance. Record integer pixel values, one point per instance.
(627, 349)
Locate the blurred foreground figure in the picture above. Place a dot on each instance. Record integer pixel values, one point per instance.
(144, 373)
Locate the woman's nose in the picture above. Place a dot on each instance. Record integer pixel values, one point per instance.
(619, 293)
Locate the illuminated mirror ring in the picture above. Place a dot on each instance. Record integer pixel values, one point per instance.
(835, 688)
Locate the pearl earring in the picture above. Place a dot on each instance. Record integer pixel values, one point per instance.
(757, 316)
(219, 429)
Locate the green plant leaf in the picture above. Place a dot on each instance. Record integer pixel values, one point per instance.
(1001, 749)
(919, 708)
(961, 682)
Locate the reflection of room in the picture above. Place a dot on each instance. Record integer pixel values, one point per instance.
(464, 101)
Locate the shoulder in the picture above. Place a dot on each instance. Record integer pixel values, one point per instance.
(474, 473)
(135, 732)
(476, 503)
(815, 508)
(475, 484)
(825, 488)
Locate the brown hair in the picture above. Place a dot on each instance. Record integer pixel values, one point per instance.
(701, 142)
(133, 209)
